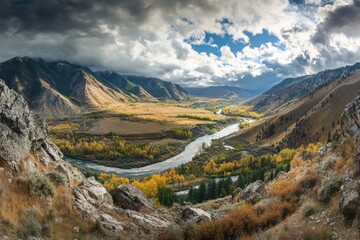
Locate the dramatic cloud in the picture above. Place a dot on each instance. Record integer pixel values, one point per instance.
(345, 20)
(193, 42)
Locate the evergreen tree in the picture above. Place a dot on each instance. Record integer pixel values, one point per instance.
(211, 190)
(201, 196)
(191, 195)
(222, 192)
(271, 175)
(166, 196)
(227, 185)
(287, 167)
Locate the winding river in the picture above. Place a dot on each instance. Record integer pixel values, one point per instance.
(190, 151)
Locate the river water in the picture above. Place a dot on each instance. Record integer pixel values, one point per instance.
(190, 151)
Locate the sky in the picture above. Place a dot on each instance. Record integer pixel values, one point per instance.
(251, 44)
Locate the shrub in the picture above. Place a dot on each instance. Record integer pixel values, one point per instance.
(58, 178)
(244, 221)
(318, 233)
(30, 227)
(309, 181)
(328, 188)
(173, 232)
(37, 185)
(308, 210)
(329, 163)
(47, 229)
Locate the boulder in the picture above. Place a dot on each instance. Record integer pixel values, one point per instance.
(235, 194)
(129, 197)
(254, 192)
(196, 215)
(72, 174)
(350, 197)
(152, 220)
(109, 225)
(90, 195)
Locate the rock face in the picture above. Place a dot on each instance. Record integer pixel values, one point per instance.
(20, 132)
(195, 215)
(350, 197)
(254, 192)
(129, 197)
(90, 195)
(91, 198)
(352, 127)
(350, 189)
(154, 221)
(235, 194)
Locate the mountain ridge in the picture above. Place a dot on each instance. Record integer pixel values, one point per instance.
(293, 88)
(227, 92)
(59, 88)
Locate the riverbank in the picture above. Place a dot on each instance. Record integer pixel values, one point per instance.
(163, 151)
(189, 152)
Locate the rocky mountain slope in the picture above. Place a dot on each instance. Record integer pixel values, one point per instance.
(291, 89)
(160, 89)
(311, 118)
(61, 88)
(226, 92)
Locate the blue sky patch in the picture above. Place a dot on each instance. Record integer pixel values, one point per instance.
(236, 46)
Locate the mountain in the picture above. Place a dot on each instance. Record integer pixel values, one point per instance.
(226, 92)
(293, 88)
(60, 88)
(160, 89)
(310, 118)
(121, 82)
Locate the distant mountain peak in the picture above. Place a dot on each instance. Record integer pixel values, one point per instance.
(70, 87)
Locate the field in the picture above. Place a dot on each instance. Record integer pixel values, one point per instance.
(150, 132)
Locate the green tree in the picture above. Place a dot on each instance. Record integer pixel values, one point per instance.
(166, 196)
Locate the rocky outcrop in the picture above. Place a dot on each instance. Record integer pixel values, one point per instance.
(254, 192)
(351, 125)
(21, 133)
(91, 199)
(90, 195)
(350, 188)
(152, 220)
(235, 194)
(350, 196)
(196, 215)
(129, 197)
(18, 128)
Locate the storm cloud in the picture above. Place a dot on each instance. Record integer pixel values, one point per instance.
(156, 37)
(344, 19)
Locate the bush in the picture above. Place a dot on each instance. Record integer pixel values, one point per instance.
(317, 234)
(173, 232)
(37, 185)
(47, 229)
(328, 188)
(308, 210)
(244, 221)
(30, 227)
(329, 163)
(309, 181)
(58, 178)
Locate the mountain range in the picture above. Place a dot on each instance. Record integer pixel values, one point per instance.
(305, 109)
(60, 88)
(294, 88)
(226, 92)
